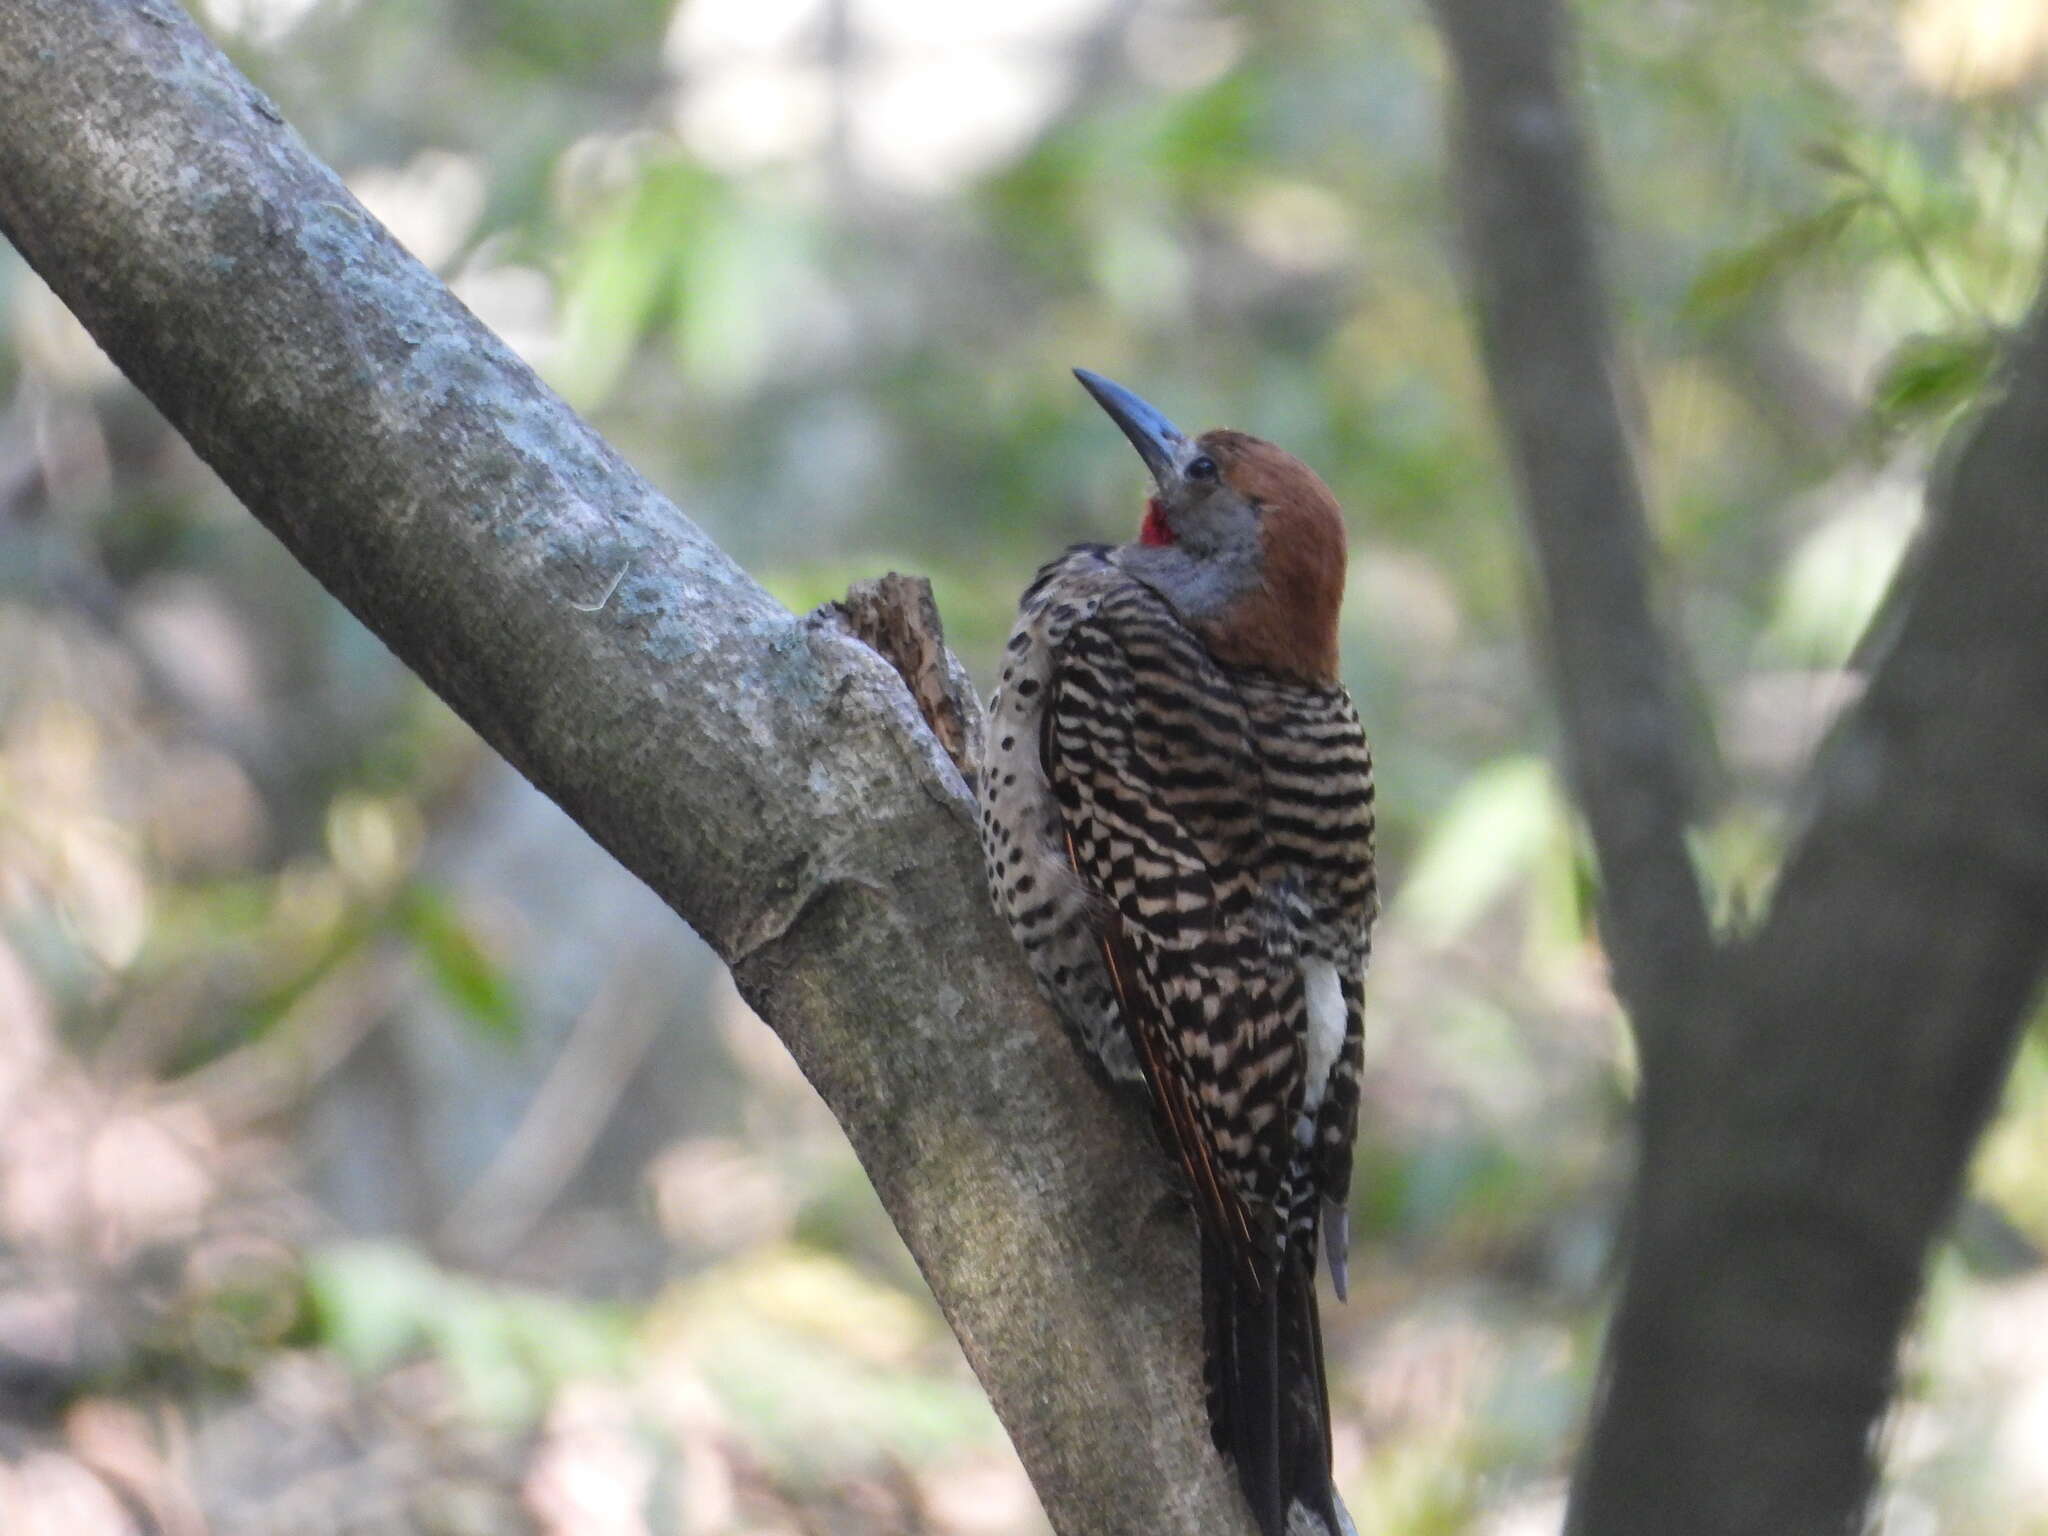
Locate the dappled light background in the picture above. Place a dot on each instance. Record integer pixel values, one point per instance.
(376, 1156)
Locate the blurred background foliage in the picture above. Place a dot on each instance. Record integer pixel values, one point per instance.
(376, 1156)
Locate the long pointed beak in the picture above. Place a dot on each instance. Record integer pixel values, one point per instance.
(1156, 439)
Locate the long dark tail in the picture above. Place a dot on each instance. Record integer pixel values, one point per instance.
(1269, 1400)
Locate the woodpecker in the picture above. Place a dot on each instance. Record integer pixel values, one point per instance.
(1177, 817)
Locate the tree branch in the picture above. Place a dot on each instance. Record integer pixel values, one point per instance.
(767, 775)
(1853, 1050)
(1811, 1093)
(1534, 270)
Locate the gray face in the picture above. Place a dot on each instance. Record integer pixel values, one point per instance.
(1201, 588)
(1208, 517)
(1213, 558)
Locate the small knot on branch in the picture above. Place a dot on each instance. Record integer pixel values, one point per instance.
(896, 617)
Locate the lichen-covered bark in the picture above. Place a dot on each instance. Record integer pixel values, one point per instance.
(769, 776)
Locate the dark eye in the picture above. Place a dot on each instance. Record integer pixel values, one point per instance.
(1203, 468)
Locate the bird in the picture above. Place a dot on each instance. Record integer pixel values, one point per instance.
(1177, 816)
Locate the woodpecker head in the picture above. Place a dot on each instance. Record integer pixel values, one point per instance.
(1240, 536)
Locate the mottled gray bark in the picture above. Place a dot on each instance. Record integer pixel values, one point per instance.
(767, 775)
(1811, 1090)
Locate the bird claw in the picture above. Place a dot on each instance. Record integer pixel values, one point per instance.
(1337, 1246)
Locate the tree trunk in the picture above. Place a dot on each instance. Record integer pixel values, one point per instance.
(1810, 1091)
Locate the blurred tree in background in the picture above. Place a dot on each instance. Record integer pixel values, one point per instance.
(374, 1152)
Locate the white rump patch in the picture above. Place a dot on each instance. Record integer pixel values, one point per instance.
(1325, 1028)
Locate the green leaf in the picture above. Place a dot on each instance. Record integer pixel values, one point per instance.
(1211, 132)
(562, 1340)
(370, 1301)
(1835, 579)
(374, 1303)
(1730, 281)
(461, 968)
(1491, 835)
(621, 277)
(1928, 378)
(472, 1333)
